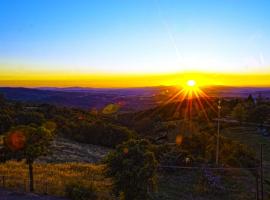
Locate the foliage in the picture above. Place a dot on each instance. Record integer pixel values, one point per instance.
(211, 182)
(27, 118)
(5, 123)
(53, 178)
(76, 124)
(239, 112)
(2, 99)
(198, 148)
(79, 191)
(133, 169)
(260, 114)
(36, 144)
(29, 143)
(100, 133)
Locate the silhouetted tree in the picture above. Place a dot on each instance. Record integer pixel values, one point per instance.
(260, 114)
(2, 100)
(250, 102)
(100, 133)
(30, 117)
(259, 99)
(239, 112)
(5, 123)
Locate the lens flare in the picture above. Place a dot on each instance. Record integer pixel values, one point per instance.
(16, 140)
(125, 150)
(179, 139)
(187, 102)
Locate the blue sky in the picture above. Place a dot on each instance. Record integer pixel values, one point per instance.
(135, 36)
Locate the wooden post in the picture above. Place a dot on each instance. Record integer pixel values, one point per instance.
(31, 176)
(46, 187)
(3, 181)
(257, 185)
(261, 172)
(25, 185)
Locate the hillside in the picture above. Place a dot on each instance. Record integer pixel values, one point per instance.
(133, 99)
(187, 143)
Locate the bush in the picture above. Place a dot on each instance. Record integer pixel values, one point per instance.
(101, 133)
(78, 191)
(133, 169)
(27, 118)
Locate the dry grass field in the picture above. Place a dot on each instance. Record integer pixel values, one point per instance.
(53, 178)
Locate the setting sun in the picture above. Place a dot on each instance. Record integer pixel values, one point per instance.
(191, 83)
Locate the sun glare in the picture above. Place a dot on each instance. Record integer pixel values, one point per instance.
(191, 83)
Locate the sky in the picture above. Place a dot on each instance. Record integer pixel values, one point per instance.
(118, 43)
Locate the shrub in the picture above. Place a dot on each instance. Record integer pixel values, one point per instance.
(133, 169)
(101, 133)
(27, 118)
(78, 191)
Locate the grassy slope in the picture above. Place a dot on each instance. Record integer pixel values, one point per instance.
(188, 185)
(251, 137)
(177, 185)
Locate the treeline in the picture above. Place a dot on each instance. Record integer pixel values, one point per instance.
(204, 110)
(255, 110)
(75, 124)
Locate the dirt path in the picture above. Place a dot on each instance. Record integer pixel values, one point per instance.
(11, 195)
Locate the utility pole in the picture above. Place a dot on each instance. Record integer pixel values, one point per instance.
(218, 130)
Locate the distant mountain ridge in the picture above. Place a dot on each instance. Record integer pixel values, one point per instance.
(134, 99)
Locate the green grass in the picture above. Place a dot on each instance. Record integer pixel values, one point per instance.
(251, 137)
(188, 185)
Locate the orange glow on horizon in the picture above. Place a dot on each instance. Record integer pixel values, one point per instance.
(128, 80)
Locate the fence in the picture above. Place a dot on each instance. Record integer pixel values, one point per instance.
(53, 178)
(211, 183)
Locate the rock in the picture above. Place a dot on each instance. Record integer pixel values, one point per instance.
(65, 150)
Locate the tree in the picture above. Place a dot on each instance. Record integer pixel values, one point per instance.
(100, 133)
(5, 123)
(260, 114)
(239, 112)
(2, 99)
(250, 102)
(133, 169)
(27, 118)
(259, 100)
(29, 143)
(250, 99)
